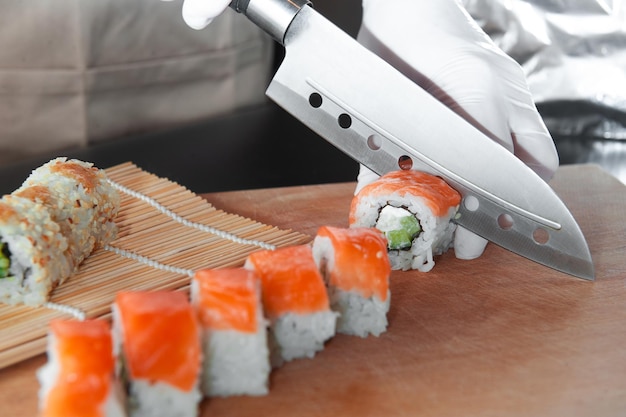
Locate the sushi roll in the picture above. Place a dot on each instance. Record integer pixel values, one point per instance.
(234, 332)
(80, 199)
(32, 252)
(79, 378)
(62, 212)
(414, 210)
(158, 339)
(356, 268)
(295, 302)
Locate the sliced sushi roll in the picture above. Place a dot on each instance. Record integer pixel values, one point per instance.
(79, 378)
(32, 252)
(158, 339)
(356, 268)
(295, 301)
(80, 199)
(234, 332)
(61, 213)
(414, 210)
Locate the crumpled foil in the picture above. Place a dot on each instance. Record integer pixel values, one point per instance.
(573, 53)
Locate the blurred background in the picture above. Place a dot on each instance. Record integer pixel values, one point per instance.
(115, 81)
(573, 53)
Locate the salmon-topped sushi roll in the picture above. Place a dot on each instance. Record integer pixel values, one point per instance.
(234, 332)
(295, 301)
(356, 269)
(79, 378)
(158, 338)
(414, 210)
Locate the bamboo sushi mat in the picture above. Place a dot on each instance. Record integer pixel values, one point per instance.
(144, 230)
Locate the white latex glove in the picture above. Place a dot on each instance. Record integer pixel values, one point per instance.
(438, 45)
(198, 14)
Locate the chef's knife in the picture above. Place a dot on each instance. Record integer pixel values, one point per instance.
(373, 113)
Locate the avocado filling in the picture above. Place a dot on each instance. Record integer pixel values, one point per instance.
(399, 226)
(5, 260)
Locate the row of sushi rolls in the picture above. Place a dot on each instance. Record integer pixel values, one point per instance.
(163, 351)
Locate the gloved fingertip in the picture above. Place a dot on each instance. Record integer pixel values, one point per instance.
(468, 245)
(198, 14)
(197, 23)
(366, 176)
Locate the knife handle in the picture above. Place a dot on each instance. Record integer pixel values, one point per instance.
(273, 16)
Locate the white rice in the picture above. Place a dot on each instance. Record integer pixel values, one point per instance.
(359, 316)
(294, 336)
(159, 399)
(235, 363)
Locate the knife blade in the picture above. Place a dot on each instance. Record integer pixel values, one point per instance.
(373, 113)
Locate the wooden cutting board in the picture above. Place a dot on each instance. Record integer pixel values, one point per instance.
(496, 336)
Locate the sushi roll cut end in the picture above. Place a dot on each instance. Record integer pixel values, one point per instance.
(295, 300)
(414, 210)
(356, 268)
(234, 332)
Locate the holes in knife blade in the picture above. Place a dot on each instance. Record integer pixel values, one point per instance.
(405, 162)
(315, 100)
(541, 236)
(345, 121)
(374, 142)
(505, 221)
(471, 203)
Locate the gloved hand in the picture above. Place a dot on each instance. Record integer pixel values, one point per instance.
(198, 14)
(438, 45)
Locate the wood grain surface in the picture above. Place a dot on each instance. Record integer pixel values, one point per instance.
(496, 336)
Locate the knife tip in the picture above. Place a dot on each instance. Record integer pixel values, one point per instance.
(589, 276)
(585, 271)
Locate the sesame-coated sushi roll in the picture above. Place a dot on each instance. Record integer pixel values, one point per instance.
(414, 210)
(79, 378)
(234, 332)
(80, 199)
(295, 301)
(158, 337)
(356, 269)
(60, 214)
(32, 252)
